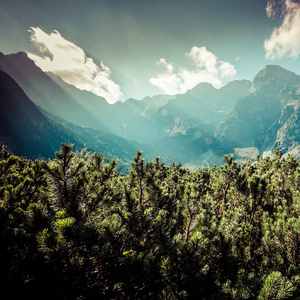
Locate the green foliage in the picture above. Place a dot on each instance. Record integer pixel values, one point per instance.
(74, 228)
(277, 286)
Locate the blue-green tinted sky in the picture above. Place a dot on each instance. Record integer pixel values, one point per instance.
(130, 37)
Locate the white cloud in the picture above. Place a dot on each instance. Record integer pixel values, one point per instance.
(284, 40)
(168, 66)
(270, 9)
(207, 69)
(226, 69)
(68, 61)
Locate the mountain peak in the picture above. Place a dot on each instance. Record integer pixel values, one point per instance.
(19, 55)
(204, 87)
(274, 73)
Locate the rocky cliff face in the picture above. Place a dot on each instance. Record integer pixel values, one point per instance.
(262, 119)
(273, 78)
(288, 135)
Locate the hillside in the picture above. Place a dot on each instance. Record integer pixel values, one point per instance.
(34, 133)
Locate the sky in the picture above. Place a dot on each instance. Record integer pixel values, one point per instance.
(121, 49)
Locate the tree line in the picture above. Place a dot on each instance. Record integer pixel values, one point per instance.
(75, 228)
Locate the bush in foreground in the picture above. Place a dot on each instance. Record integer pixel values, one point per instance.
(74, 228)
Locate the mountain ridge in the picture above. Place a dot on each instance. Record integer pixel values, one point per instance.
(29, 131)
(43, 91)
(203, 123)
(255, 120)
(276, 75)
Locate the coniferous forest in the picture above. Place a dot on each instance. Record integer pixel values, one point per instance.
(75, 228)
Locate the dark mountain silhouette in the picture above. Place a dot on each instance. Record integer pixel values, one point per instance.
(44, 92)
(23, 127)
(28, 131)
(81, 107)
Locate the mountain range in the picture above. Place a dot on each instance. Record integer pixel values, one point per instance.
(39, 110)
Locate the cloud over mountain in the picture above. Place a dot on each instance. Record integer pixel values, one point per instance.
(207, 68)
(69, 61)
(285, 39)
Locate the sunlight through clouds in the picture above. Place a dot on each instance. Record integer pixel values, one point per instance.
(208, 68)
(284, 40)
(65, 59)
